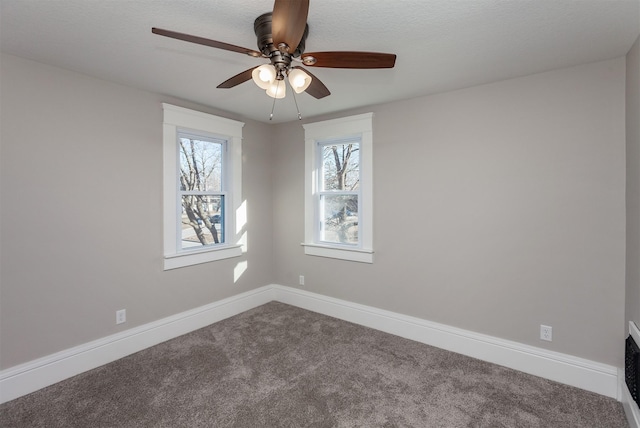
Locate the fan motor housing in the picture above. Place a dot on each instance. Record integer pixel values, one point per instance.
(262, 28)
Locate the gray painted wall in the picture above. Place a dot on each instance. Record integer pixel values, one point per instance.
(81, 177)
(497, 208)
(633, 184)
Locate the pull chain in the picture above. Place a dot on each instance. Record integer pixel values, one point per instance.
(274, 100)
(296, 101)
(273, 106)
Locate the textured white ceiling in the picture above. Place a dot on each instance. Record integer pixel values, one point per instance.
(441, 44)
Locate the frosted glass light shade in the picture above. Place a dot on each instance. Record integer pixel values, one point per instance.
(264, 76)
(277, 89)
(299, 80)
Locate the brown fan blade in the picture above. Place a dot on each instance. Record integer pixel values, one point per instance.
(288, 22)
(206, 42)
(237, 79)
(316, 89)
(349, 59)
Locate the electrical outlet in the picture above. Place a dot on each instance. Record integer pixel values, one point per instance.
(546, 333)
(121, 316)
(301, 279)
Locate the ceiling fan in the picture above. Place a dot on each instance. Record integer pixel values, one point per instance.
(281, 38)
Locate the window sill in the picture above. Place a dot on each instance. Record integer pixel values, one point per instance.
(342, 253)
(175, 261)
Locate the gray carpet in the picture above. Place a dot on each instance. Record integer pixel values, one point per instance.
(281, 366)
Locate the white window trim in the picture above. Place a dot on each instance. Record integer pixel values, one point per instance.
(179, 118)
(361, 125)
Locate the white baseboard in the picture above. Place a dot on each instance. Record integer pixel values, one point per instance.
(29, 377)
(567, 369)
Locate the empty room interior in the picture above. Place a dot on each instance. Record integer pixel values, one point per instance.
(459, 176)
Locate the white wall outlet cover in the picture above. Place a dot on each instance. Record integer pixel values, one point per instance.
(121, 316)
(546, 332)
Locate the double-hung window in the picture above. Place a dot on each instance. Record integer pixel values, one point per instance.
(339, 188)
(338, 191)
(202, 184)
(202, 187)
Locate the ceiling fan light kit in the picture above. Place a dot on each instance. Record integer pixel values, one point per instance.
(277, 89)
(264, 76)
(299, 80)
(277, 33)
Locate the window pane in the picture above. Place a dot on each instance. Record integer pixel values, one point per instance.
(200, 164)
(340, 166)
(339, 219)
(202, 220)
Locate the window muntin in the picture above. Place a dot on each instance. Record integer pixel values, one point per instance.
(338, 194)
(201, 191)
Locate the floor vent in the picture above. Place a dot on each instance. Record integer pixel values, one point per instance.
(632, 369)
